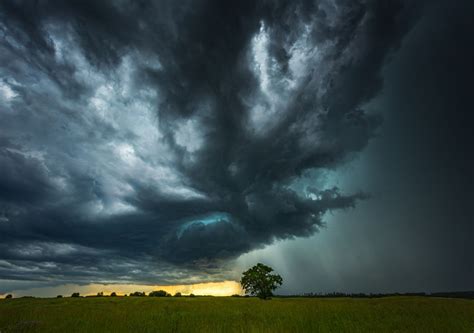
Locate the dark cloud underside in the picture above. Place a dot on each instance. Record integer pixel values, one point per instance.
(172, 135)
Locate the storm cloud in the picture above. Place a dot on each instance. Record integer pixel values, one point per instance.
(145, 141)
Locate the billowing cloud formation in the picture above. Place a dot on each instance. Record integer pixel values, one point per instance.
(141, 136)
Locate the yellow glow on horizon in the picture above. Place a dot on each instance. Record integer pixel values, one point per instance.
(223, 288)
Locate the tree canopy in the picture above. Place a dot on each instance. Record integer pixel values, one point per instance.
(259, 281)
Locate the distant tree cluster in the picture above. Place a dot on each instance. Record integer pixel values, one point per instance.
(138, 294)
(156, 293)
(101, 294)
(75, 295)
(159, 293)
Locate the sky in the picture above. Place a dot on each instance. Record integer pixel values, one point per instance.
(176, 144)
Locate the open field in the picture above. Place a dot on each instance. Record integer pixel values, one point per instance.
(227, 314)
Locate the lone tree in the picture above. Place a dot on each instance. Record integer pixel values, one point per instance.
(259, 281)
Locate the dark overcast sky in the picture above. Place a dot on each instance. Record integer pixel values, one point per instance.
(170, 142)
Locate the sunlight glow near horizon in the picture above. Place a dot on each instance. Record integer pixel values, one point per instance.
(224, 288)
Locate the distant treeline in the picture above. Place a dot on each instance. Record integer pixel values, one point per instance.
(453, 294)
(162, 293)
(157, 293)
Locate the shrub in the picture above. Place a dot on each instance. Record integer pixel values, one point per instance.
(75, 295)
(9, 296)
(59, 296)
(113, 294)
(177, 295)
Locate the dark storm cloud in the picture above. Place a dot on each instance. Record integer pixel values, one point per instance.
(24, 179)
(164, 132)
(416, 232)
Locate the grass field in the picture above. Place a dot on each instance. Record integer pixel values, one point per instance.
(227, 314)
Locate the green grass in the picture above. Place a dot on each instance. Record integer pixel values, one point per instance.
(227, 314)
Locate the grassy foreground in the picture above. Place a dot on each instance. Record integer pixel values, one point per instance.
(226, 314)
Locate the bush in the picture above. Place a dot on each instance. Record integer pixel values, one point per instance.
(9, 296)
(177, 295)
(100, 294)
(192, 295)
(113, 294)
(235, 295)
(75, 295)
(59, 296)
